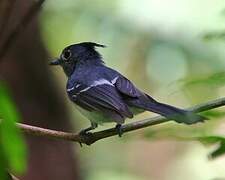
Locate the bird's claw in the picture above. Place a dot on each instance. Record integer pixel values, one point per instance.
(119, 130)
(84, 133)
(81, 145)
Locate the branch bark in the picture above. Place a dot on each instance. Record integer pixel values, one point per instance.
(95, 136)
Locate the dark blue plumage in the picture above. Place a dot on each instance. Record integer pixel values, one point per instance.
(104, 95)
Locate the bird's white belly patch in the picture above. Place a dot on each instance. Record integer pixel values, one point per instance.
(94, 116)
(99, 118)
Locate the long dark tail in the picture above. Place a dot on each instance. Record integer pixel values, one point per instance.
(179, 115)
(171, 112)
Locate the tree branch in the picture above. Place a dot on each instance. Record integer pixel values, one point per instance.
(95, 136)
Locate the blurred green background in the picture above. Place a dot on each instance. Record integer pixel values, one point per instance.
(173, 50)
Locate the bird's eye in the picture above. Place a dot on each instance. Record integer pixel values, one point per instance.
(66, 55)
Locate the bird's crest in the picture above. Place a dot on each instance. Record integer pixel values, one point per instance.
(92, 44)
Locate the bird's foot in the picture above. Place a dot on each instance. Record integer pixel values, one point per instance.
(119, 130)
(84, 133)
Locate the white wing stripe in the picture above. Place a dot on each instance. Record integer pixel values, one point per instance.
(114, 80)
(97, 83)
(70, 89)
(83, 90)
(101, 82)
(77, 85)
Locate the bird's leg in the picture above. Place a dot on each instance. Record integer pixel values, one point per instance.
(119, 130)
(85, 131)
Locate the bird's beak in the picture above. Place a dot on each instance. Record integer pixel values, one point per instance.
(55, 62)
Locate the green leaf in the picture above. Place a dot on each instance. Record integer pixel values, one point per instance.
(2, 165)
(215, 79)
(11, 140)
(189, 133)
(213, 114)
(211, 140)
(219, 35)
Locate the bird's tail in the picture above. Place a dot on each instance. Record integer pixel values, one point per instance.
(171, 112)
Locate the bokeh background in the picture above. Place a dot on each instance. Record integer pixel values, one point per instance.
(172, 49)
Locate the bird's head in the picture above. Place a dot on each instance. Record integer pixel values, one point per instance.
(78, 54)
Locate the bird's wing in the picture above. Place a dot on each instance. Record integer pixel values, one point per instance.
(126, 87)
(135, 96)
(102, 97)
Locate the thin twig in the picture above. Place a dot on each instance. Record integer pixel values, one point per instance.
(32, 11)
(37, 131)
(95, 136)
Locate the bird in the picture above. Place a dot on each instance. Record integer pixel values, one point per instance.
(104, 95)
